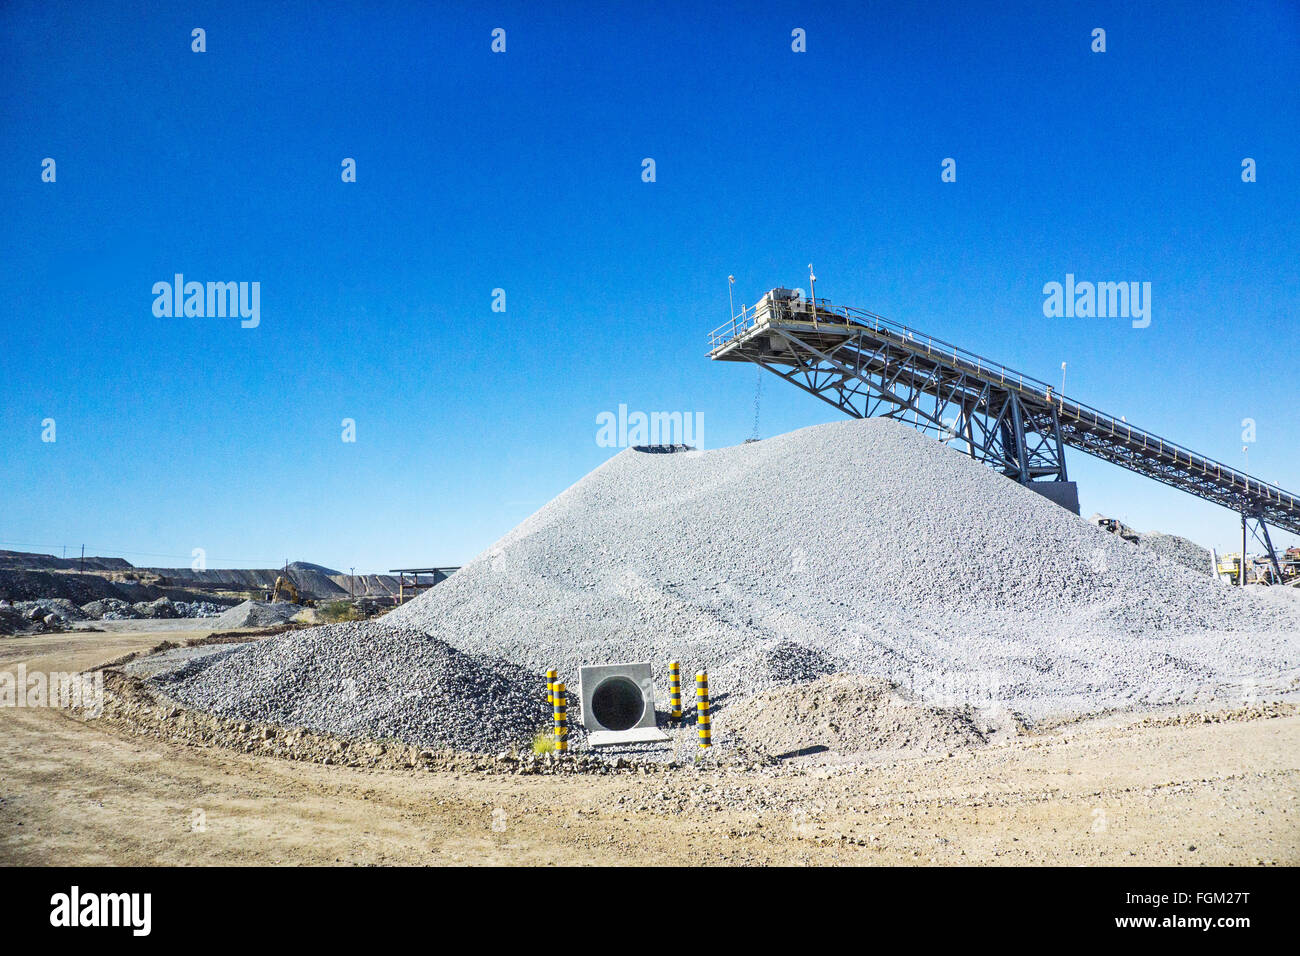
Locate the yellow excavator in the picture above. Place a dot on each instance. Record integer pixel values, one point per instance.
(286, 590)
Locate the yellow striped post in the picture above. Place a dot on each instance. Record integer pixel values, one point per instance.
(561, 718)
(675, 690)
(551, 678)
(702, 718)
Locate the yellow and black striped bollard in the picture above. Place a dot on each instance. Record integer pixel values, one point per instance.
(702, 718)
(675, 690)
(561, 719)
(551, 678)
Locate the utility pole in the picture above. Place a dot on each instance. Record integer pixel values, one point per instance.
(83, 559)
(352, 583)
(812, 293)
(1241, 573)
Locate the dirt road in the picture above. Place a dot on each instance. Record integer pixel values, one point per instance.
(74, 793)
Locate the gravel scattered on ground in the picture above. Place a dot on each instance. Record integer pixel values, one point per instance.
(862, 547)
(368, 681)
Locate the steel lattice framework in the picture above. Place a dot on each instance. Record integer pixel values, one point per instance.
(866, 365)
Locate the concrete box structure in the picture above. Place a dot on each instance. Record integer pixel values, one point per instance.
(618, 704)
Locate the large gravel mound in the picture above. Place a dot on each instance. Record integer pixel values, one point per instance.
(859, 546)
(366, 681)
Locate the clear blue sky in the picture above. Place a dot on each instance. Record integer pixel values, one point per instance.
(523, 171)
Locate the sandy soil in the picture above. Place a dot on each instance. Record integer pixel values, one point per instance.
(1108, 792)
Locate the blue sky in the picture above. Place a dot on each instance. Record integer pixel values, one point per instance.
(522, 171)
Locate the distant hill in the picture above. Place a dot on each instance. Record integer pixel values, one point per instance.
(25, 575)
(29, 561)
(316, 568)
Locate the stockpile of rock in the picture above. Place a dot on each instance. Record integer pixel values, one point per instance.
(255, 614)
(366, 680)
(112, 609)
(50, 614)
(860, 547)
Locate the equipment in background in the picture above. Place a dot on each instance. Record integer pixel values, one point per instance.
(867, 366)
(1115, 526)
(286, 590)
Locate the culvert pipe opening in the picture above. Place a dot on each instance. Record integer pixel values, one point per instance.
(617, 703)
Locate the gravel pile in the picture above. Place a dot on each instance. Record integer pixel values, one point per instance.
(12, 621)
(161, 609)
(193, 609)
(110, 609)
(847, 715)
(59, 606)
(255, 614)
(860, 547)
(34, 617)
(1180, 550)
(365, 680)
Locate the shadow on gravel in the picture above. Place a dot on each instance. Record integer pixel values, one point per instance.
(804, 752)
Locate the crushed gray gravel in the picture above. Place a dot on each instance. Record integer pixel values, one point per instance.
(255, 614)
(365, 680)
(177, 662)
(1187, 553)
(860, 547)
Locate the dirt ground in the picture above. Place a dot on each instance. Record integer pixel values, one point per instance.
(1108, 792)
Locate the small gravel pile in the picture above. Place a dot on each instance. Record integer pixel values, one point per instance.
(255, 614)
(365, 680)
(847, 715)
(863, 547)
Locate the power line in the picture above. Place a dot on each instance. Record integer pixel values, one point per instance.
(116, 552)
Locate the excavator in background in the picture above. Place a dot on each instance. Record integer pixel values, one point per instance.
(286, 590)
(1115, 526)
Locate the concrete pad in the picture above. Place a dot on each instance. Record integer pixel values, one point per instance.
(645, 735)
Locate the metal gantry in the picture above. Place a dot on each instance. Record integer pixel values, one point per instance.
(867, 365)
